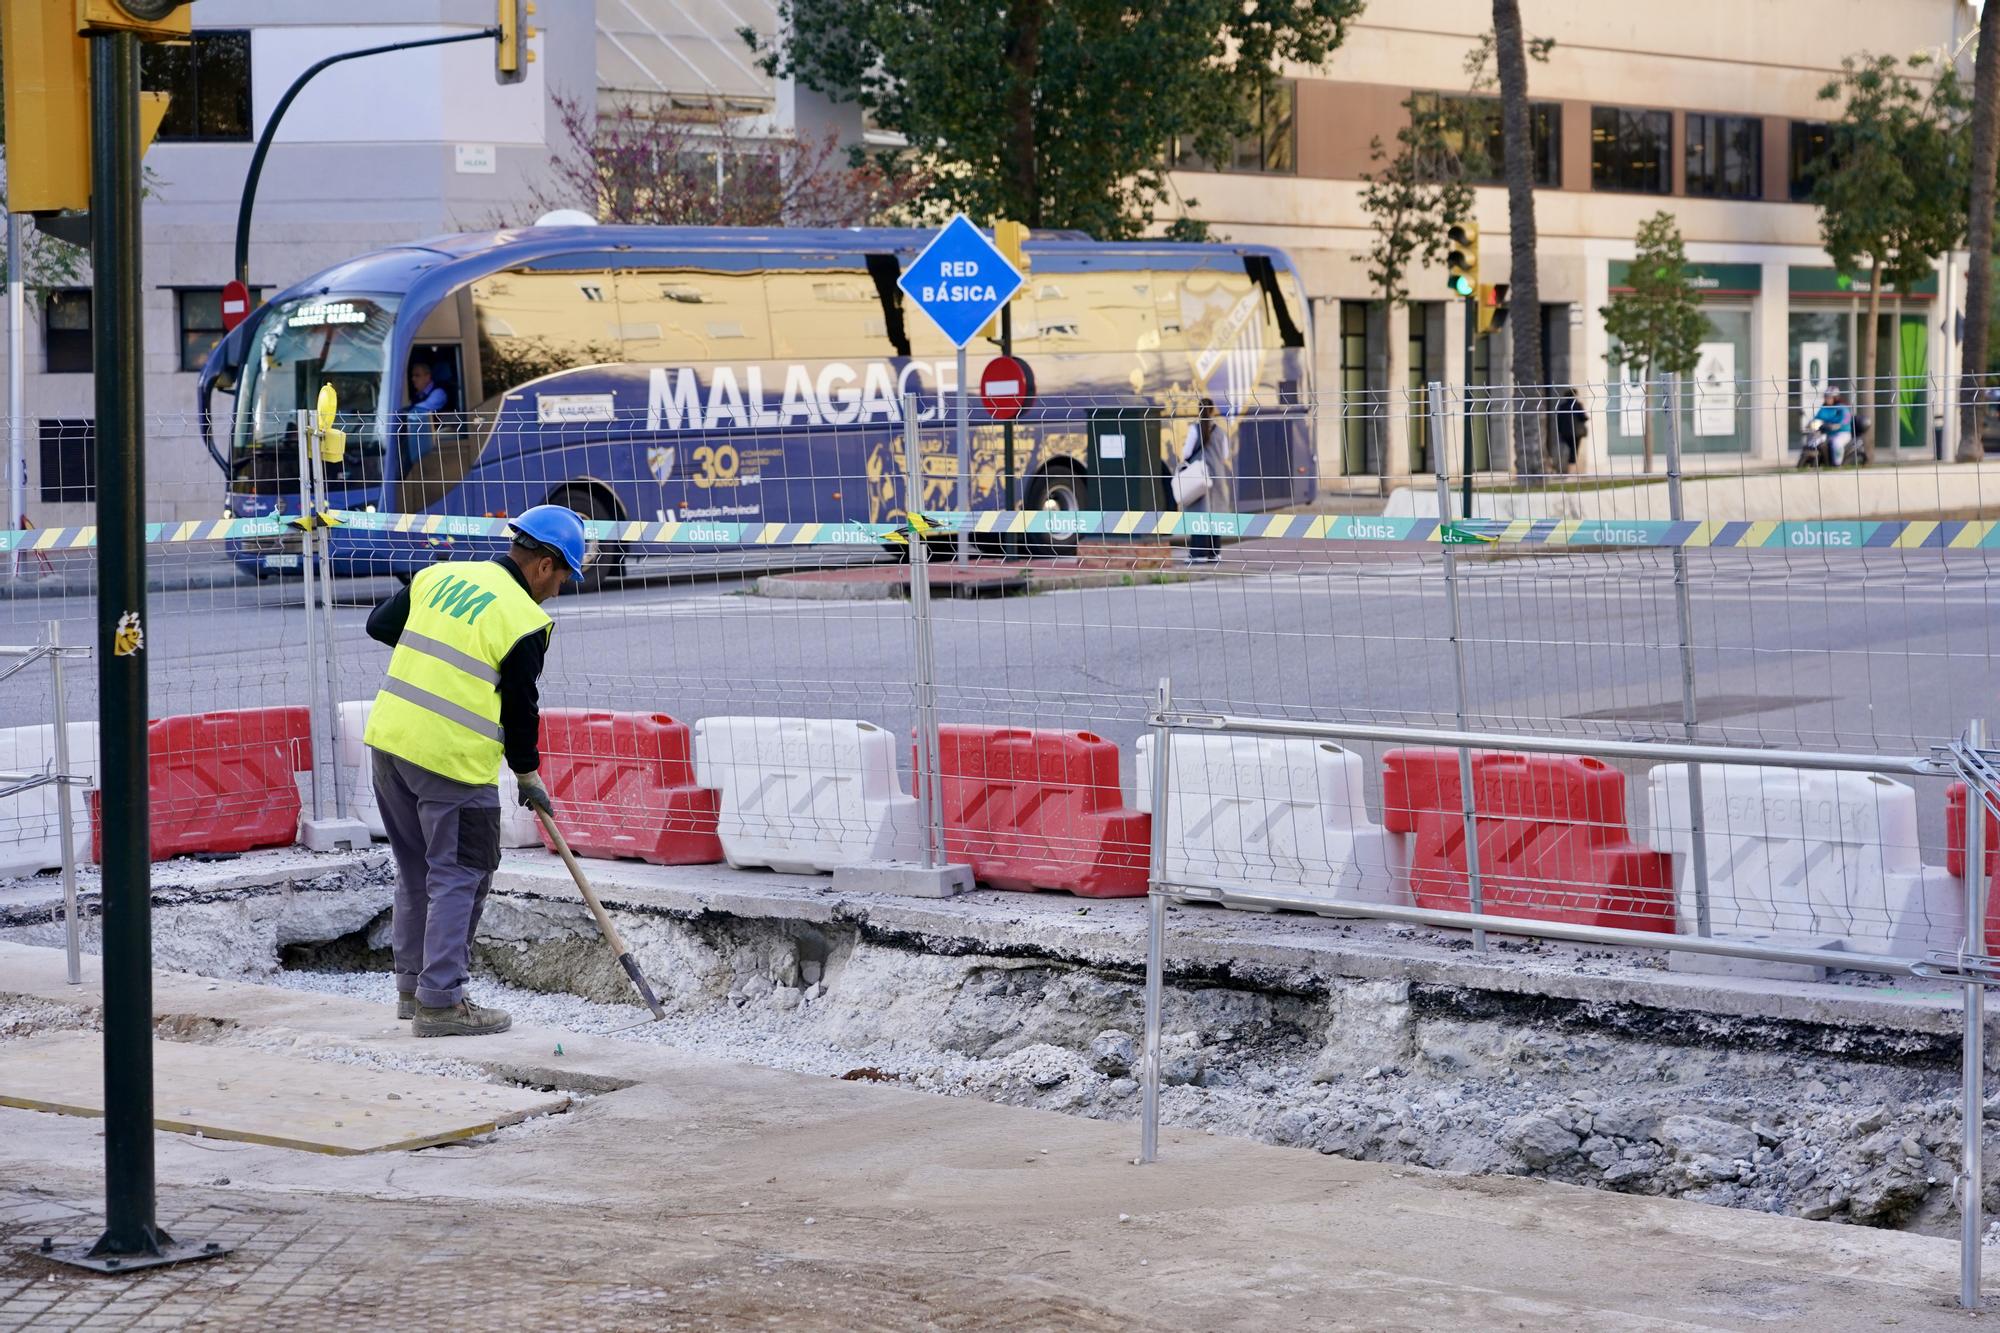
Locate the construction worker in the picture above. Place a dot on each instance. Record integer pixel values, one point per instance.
(470, 637)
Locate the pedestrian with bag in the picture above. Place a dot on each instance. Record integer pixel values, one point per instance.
(470, 638)
(1194, 479)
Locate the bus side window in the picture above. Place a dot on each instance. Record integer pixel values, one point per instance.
(824, 311)
(674, 310)
(536, 322)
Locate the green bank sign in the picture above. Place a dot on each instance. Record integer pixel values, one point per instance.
(1833, 282)
(1706, 279)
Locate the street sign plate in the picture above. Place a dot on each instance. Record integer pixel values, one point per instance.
(1006, 387)
(235, 304)
(960, 280)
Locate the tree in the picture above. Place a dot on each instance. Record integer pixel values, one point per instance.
(1658, 324)
(1089, 102)
(1979, 281)
(1892, 185)
(651, 165)
(1413, 198)
(1525, 289)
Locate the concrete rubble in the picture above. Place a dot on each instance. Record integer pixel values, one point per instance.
(1372, 1042)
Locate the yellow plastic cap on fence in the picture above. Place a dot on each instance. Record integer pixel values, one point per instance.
(332, 443)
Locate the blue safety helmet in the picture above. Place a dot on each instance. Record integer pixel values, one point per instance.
(554, 529)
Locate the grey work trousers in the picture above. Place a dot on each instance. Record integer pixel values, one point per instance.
(445, 837)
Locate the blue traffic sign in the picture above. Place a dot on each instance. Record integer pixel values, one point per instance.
(960, 280)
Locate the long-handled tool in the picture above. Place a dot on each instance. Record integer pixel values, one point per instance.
(610, 932)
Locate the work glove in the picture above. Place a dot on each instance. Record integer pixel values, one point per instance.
(534, 796)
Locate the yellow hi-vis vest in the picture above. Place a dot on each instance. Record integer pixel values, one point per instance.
(440, 707)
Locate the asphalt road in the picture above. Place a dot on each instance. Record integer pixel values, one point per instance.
(1869, 651)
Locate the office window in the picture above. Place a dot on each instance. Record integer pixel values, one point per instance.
(1810, 143)
(1631, 150)
(209, 79)
(69, 461)
(1468, 142)
(199, 312)
(1725, 157)
(1271, 147)
(66, 331)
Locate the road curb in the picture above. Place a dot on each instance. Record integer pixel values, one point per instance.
(896, 587)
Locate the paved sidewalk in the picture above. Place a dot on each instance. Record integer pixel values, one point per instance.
(978, 578)
(706, 1195)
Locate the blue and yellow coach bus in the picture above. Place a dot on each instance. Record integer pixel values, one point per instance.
(667, 373)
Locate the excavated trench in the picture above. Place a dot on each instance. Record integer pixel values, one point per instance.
(1816, 1119)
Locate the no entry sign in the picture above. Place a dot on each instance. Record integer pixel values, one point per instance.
(235, 304)
(1006, 387)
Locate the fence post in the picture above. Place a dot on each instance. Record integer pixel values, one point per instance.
(1156, 935)
(923, 685)
(65, 820)
(1475, 890)
(1684, 612)
(1972, 1110)
(323, 543)
(306, 426)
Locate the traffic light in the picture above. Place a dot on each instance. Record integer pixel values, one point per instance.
(1492, 306)
(47, 91)
(511, 52)
(1462, 260)
(156, 20)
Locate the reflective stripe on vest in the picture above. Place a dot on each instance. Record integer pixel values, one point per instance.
(440, 707)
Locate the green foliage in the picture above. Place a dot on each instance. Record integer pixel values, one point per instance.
(1411, 205)
(1185, 228)
(1658, 324)
(1892, 186)
(1059, 113)
(1414, 197)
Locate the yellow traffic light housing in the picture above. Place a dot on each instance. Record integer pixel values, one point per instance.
(1462, 259)
(46, 83)
(156, 20)
(1492, 306)
(47, 86)
(1011, 240)
(511, 53)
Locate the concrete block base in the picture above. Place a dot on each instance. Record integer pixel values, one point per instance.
(906, 878)
(334, 835)
(1716, 965)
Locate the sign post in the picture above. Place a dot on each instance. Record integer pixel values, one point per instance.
(961, 280)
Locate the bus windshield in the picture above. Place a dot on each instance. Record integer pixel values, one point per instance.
(302, 344)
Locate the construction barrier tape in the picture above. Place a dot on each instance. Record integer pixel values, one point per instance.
(1760, 534)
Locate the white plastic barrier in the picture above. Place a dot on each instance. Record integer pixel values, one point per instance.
(1800, 853)
(517, 825)
(1282, 813)
(806, 794)
(30, 821)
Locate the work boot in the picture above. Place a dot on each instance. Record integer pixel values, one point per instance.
(464, 1019)
(406, 1004)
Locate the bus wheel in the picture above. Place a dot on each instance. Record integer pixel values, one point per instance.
(1062, 488)
(603, 562)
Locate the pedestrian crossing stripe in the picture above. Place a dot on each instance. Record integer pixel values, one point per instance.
(1595, 534)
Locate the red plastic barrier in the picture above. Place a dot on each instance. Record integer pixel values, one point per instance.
(222, 782)
(623, 785)
(1041, 810)
(1553, 844)
(1954, 854)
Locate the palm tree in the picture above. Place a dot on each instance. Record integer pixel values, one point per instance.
(1525, 297)
(1979, 282)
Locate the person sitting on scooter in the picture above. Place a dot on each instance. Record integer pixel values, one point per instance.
(1835, 423)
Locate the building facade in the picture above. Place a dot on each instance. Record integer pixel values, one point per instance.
(1707, 109)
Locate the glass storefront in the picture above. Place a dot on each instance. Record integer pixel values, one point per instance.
(1823, 329)
(1715, 410)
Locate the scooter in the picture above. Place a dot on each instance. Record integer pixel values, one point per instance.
(1816, 447)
